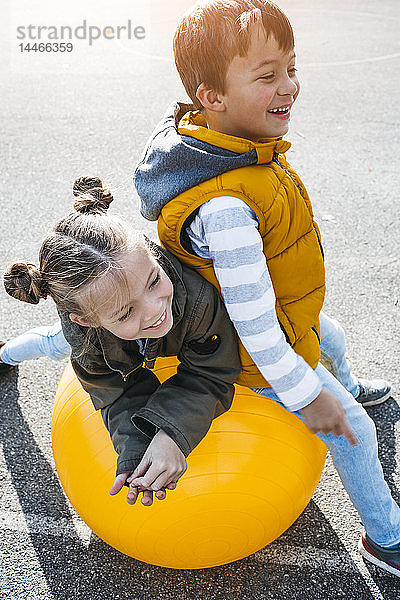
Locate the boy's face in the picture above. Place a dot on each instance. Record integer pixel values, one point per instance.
(256, 85)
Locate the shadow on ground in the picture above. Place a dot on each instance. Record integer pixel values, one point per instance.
(75, 571)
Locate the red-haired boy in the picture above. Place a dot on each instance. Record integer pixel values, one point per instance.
(228, 203)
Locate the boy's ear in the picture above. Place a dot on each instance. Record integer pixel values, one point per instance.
(80, 320)
(209, 98)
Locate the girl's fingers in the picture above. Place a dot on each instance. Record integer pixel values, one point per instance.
(140, 470)
(147, 499)
(148, 480)
(139, 482)
(118, 484)
(132, 495)
(162, 481)
(157, 481)
(161, 494)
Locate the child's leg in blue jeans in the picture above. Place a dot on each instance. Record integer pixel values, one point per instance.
(40, 341)
(359, 467)
(333, 353)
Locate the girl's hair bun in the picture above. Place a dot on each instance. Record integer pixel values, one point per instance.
(24, 282)
(91, 197)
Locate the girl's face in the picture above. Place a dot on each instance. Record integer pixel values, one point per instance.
(148, 312)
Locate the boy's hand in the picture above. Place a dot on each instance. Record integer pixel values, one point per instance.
(326, 415)
(162, 465)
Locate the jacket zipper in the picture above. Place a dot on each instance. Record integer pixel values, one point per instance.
(316, 333)
(149, 362)
(288, 173)
(276, 160)
(319, 242)
(123, 375)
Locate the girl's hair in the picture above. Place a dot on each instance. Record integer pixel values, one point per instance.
(80, 257)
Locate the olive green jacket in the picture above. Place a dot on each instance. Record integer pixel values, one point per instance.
(133, 403)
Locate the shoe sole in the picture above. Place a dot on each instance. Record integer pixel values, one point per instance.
(375, 561)
(378, 401)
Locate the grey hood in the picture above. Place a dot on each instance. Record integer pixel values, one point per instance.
(173, 163)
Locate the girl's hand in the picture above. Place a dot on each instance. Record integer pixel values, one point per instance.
(325, 414)
(163, 464)
(134, 491)
(159, 470)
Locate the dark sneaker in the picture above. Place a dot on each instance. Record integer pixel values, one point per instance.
(373, 392)
(4, 367)
(381, 557)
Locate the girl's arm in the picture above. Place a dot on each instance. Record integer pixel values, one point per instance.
(185, 405)
(160, 468)
(159, 459)
(123, 398)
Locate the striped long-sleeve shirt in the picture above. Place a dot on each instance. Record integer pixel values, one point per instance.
(225, 230)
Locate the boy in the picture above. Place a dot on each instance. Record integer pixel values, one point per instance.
(227, 202)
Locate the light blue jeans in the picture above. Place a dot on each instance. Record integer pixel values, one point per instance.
(40, 341)
(358, 466)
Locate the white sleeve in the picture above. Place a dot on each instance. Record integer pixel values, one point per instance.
(226, 230)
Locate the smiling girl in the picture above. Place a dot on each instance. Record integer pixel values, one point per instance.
(123, 301)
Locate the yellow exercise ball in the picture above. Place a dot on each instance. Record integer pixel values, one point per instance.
(247, 481)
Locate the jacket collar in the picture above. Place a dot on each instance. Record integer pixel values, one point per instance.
(177, 160)
(193, 124)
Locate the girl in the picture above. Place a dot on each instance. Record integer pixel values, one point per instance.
(123, 301)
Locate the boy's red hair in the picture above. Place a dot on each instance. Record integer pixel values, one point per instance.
(213, 32)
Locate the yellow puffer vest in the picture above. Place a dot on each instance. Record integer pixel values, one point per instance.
(290, 236)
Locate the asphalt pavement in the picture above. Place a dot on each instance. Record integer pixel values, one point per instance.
(90, 111)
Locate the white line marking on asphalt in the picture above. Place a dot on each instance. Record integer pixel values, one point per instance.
(338, 63)
(143, 54)
(338, 560)
(356, 13)
(314, 558)
(318, 559)
(30, 523)
(355, 61)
